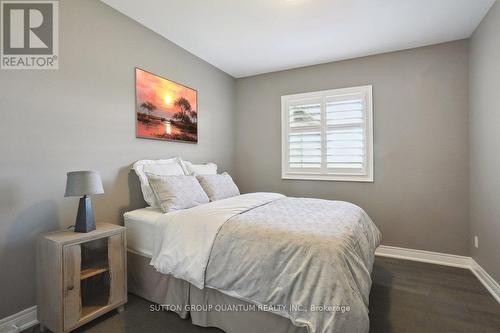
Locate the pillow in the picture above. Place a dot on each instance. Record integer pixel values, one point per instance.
(169, 167)
(218, 186)
(177, 192)
(200, 169)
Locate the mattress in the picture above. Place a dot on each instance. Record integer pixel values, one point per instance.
(140, 224)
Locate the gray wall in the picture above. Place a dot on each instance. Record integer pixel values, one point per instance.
(420, 195)
(82, 117)
(485, 140)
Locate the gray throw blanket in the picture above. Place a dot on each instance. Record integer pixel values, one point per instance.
(306, 259)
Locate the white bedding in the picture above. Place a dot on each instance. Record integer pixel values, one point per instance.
(276, 252)
(183, 239)
(140, 224)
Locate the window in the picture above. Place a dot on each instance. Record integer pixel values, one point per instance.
(328, 135)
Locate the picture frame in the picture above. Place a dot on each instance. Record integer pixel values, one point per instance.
(164, 109)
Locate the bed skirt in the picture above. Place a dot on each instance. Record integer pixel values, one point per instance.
(206, 307)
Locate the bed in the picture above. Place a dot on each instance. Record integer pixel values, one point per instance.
(180, 296)
(257, 262)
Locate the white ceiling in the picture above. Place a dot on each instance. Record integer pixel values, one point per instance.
(247, 37)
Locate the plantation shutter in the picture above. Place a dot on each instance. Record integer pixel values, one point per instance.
(345, 132)
(304, 140)
(328, 135)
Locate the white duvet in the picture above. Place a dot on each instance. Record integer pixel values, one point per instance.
(304, 259)
(184, 238)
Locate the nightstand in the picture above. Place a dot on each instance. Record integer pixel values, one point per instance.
(80, 276)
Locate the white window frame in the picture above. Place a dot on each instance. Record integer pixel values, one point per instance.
(323, 173)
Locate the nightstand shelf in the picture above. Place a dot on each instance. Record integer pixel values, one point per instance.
(80, 276)
(90, 272)
(88, 311)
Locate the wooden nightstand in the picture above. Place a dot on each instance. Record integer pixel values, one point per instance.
(80, 276)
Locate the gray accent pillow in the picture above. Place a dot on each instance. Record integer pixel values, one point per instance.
(177, 192)
(218, 186)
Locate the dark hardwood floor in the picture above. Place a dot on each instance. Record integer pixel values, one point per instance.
(406, 297)
(410, 296)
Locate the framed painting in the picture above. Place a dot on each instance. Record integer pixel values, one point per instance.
(165, 110)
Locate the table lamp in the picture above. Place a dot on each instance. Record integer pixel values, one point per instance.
(82, 184)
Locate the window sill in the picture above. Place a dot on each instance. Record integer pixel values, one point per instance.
(336, 178)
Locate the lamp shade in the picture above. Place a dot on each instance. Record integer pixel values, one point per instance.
(80, 183)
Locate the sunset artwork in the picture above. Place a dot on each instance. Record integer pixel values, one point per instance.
(165, 110)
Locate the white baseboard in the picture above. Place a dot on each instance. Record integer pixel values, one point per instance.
(423, 256)
(443, 259)
(27, 318)
(488, 282)
(20, 321)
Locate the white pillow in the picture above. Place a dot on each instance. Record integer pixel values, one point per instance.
(218, 186)
(169, 167)
(200, 169)
(177, 192)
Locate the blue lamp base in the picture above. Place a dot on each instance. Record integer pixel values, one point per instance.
(85, 218)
